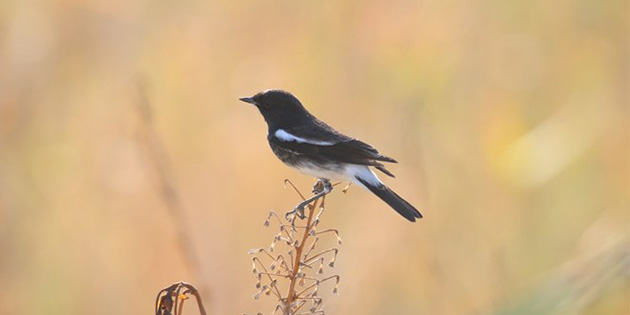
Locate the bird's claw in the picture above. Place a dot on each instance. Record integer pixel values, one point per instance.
(298, 211)
(318, 187)
(321, 188)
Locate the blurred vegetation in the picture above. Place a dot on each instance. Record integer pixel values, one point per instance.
(509, 119)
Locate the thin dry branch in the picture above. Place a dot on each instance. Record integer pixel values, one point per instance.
(170, 300)
(166, 182)
(297, 273)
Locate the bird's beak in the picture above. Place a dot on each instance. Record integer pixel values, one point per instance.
(248, 100)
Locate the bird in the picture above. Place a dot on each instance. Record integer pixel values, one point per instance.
(303, 142)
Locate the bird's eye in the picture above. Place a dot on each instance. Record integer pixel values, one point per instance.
(266, 105)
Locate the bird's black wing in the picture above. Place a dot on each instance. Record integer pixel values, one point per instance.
(322, 142)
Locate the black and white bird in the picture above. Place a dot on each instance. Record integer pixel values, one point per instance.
(303, 142)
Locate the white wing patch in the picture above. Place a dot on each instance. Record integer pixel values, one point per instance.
(287, 137)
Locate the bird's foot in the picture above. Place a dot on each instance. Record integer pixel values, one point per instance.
(320, 189)
(317, 187)
(298, 211)
(322, 185)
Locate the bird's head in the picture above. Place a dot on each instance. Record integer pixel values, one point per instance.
(278, 107)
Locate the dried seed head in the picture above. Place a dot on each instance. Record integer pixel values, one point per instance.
(273, 243)
(262, 290)
(336, 288)
(300, 274)
(254, 251)
(317, 301)
(334, 258)
(278, 307)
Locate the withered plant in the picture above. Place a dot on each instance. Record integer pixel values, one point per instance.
(170, 300)
(293, 267)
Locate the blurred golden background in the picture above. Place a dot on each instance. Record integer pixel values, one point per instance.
(509, 120)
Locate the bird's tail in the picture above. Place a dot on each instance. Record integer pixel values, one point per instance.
(372, 183)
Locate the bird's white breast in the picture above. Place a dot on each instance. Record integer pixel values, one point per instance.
(345, 172)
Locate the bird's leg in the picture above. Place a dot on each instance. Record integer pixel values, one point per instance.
(318, 186)
(320, 189)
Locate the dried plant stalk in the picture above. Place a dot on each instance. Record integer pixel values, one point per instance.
(168, 190)
(170, 300)
(294, 276)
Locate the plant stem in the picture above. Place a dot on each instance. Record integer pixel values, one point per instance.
(291, 296)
